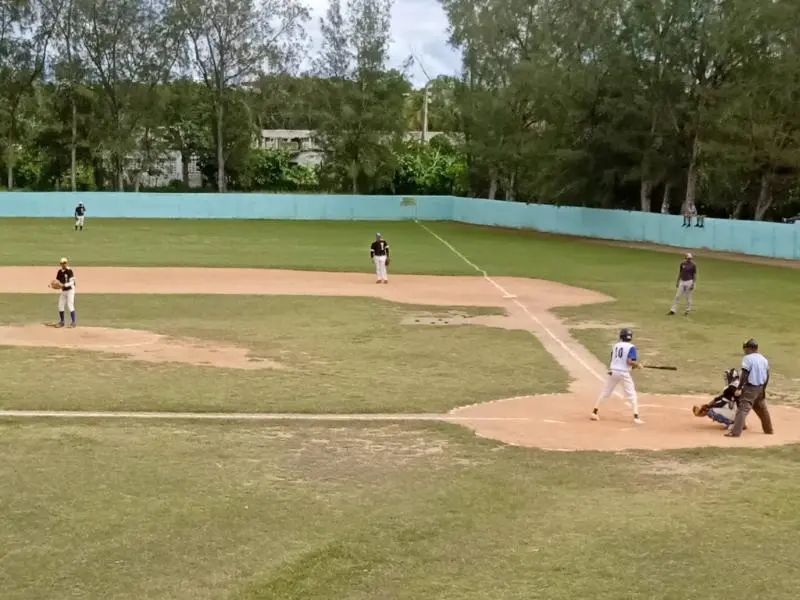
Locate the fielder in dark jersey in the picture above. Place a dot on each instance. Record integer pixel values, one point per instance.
(80, 211)
(687, 276)
(379, 254)
(66, 298)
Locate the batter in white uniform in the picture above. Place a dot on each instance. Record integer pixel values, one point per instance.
(623, 359)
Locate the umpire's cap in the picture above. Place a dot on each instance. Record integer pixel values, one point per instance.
(751, 344)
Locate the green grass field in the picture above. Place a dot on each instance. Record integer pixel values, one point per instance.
(328, 344)
(188, 510)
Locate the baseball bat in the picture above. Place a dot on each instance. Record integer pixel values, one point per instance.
(660, 367)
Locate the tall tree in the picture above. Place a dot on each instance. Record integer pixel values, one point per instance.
(68, 67)
(25, 34)
(362, 117)
(131, 47)
(232, 42)
(187, 122)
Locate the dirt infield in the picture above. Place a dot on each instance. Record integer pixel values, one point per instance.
(135, 344)
(556, 422)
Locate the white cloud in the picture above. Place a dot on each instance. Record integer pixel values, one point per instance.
(418, 27)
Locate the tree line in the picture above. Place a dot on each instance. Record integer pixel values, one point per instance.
(670, 105)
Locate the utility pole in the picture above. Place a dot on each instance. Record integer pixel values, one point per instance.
(425, 113)
(425, 97)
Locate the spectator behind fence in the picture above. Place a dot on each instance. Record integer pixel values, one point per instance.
(690, 213)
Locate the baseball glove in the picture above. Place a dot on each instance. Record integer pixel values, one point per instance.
(388, 262)
(700, 411)
(55, 284)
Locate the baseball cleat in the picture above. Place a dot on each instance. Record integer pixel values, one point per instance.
(595, 417)
(72, 325)
(672, 312)
(638, 421)
(60, 325)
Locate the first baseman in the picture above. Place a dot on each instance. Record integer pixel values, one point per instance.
(80, 211)
(379, 253)
(687, 277)
(66, 298)
(623, 358)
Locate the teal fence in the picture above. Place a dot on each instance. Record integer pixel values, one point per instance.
(774, 240)
(223, 206)
(777, 240)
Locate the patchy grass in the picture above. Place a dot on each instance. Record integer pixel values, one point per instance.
(192, 511)
(344, 355)
(734, 300)
(306, 245)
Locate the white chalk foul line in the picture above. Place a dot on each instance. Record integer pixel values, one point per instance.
(506, 294)
(97, 414)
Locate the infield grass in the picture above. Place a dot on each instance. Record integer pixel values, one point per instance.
(343, 355)
(733, 301)
(112, 511)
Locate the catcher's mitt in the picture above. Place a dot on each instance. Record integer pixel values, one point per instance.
(55, 284)
(700, 411)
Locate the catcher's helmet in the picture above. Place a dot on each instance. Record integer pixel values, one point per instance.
(626, 335)
(751, 344)
(730, 375)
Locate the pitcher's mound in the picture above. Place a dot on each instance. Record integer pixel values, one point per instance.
(134, 344)
(561, 422)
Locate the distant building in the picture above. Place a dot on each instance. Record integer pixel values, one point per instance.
(305, 151)
(298, 142)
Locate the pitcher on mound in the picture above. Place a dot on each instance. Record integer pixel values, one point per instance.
(623, 359)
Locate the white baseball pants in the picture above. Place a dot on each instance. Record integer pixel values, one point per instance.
(684, 289)
(66, 299)
(614, 379)
(79, 221)
(380, 268)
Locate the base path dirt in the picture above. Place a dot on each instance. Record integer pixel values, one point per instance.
(555, 422)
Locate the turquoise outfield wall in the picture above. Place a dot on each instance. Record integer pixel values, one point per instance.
(776, 240)
(223, 206)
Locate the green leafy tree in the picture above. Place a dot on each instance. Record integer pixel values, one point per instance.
(361, 120)
(130, 48)
(187, 121)
(25, 34)
(232, 43)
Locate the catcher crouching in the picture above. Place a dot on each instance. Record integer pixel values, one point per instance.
(722, 409)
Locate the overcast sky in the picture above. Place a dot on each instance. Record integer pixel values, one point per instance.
(418, 26)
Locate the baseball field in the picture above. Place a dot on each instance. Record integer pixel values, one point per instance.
(242, 413)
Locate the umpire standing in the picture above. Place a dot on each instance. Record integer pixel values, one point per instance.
(687, 276)
(752, 390)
